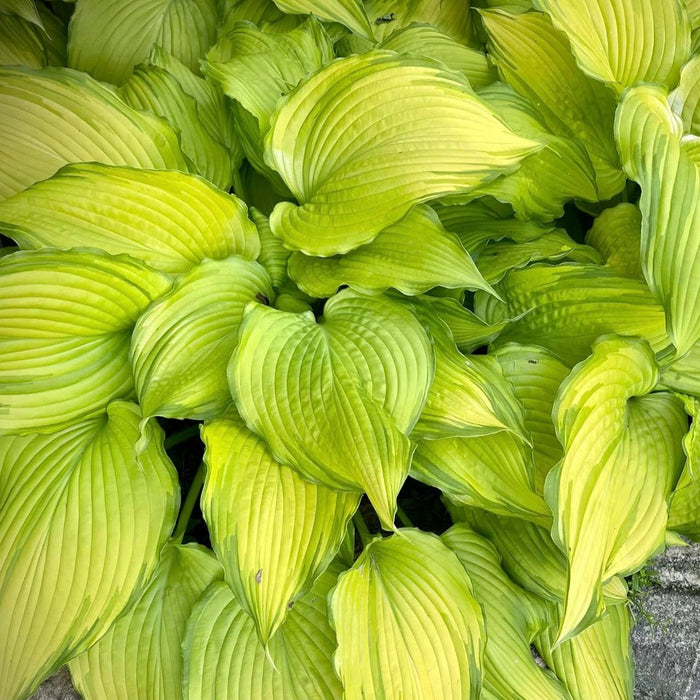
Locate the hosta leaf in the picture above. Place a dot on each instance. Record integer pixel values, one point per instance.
(566, 307)
(109, 37)
(512, 617)
(598, 662)
(273, 255)
(535, 59)
(83, 517)
(493, 472)
(225, 660)
(407, 624)
(684, 509)
(428, 40)
(149, 634)
(26, 9)
(21, 43)
(616, 233)
(152, 89)
(66, 320)
(496, 259)
(617, 438)
(56, 116)
(412, 255)
(255, 67)
(182, 344)
(351, 13)
(683, 375)
(332, 400)
(343, 146)
(547, 179)
(624, 42)
(247, 494)
(535, 374)
(170, 220)
(668, 169)
(685, 99)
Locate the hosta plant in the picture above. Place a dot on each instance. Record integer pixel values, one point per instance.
(419, 285)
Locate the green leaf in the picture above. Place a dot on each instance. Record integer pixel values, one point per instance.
(343, 146)
(624, 42)
(109, 37)
(255, 67)
(225, 660)
(427, 40)
(247, 495)
(596, 663)
(412, 255)
(535, 375)
(685, 99)
(512, 617)
(336, 400)
(83, 516)
(616, 234)
(407, 623)
(684, 508)
(535, 59)
(683, 375)
(273, 255)
(22, 43)
(55, 116)
(351, 13)
(150, 633)
(617, 438)
(564, 308)
(654, 153)
(26, 9)
(182, 344)
(66, 320)
(168, 219)
(547, 179)
(153, 90)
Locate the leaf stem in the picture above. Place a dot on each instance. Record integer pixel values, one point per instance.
(403, 517)
(362, 529)
(188, 505)
(181, 436)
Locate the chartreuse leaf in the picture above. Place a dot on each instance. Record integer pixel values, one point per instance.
(247, 494)
(351, 13)
(182, 344)
(493, 472)
(22, 43)
(26, 9)
(273, 255)
(83, 517)
(683, 375)
(650, 135)
(407, 622)
(55, 116)
(566, 307)
(335, 400)
(535, 375)
(616, 233)
(469, 395)
(512, 617)
(536, 60)
(597, 662)
(685, 99)
(170, 220)
(152, 89)
(412, 255)
(66, 320)
(684, 508)
(547, 179)
(225, 660)
(255, 67)
(428, 40)
(624, 42)
(617, 438)
(259, 12)
(150, 633)
(344, 147)
(109, 37)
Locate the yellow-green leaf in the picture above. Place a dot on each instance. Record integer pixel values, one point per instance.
(65, 324)
(274, 532)
(83, 517)
(149, 634)
(684, 508)
(168, 219)
(616, 233)
(345, 148)
(351, 13)
(407, 623)
(182, 344)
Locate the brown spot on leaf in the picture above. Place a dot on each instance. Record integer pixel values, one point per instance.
(258, 576)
